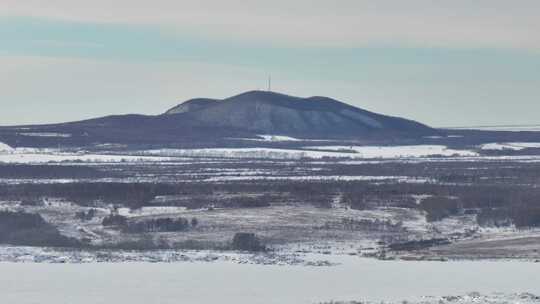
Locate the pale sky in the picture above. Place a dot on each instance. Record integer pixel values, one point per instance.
(444, 63)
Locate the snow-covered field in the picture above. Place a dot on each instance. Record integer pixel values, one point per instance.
(399, 179)
(397, 151)
(318, 152)
(470, 298)
(351, 153)
(32, 156)
(224, 282)
(515, 146)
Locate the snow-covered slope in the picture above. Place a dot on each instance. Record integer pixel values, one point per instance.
(5, 148)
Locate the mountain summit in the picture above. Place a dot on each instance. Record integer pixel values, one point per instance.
(274, 113)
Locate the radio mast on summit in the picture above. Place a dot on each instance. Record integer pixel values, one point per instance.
(269, 83)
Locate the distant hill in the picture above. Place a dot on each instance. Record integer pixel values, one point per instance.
(209, 122)
(315, 117)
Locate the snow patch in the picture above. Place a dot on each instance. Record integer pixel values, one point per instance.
(399, 179)
(148, 211)
(46, 134)
(277, 138)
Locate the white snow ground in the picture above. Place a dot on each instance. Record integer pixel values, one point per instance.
(516, 146)
(398, 151)
(470, 298)
(31, 156)
(318, 152)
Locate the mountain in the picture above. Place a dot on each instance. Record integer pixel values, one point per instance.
(210, 122)
(314, 117)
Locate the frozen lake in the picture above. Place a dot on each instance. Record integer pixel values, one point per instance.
(225, 282)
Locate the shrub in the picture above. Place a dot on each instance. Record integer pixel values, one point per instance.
(247, 242)
(114, 220)
(440, 207)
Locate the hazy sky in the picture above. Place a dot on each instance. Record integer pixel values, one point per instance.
(445, 63)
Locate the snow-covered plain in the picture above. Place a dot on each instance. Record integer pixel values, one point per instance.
(515, 146)
(397, 151)
(350, 153)
(32, 156)
(267, 153)
(399, 179)
(318, 152)
(225, 282)
(470, 298)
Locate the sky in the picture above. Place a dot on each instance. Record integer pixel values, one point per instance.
(444, 63)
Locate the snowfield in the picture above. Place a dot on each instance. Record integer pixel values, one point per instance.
(397, 151)
(515, 146)
(398, 179)
(318, 152)
(350, 153)
(33, 156)
(206, 279)
(470, 298)
(267, 153)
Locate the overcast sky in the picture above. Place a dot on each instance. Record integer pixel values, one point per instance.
(444, 63)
